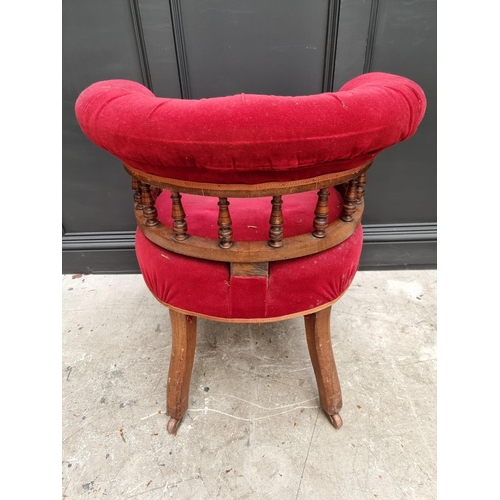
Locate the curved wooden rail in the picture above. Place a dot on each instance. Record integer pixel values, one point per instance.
(248, 190)
(251, 251)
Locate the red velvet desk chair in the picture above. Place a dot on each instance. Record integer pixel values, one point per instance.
(268, 223)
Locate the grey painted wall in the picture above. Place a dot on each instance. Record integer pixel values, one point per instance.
(206, 48)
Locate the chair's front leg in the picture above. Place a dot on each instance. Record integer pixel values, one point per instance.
(320, 350)
(181, 366)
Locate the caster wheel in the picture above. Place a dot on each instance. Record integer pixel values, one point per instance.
(336, 420)
(173, 425)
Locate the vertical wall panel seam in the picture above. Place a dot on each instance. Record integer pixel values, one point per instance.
(370, 41)
(180, 48)
(332, 31)
(141, 44)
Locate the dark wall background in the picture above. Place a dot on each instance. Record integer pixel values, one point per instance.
(207, 48)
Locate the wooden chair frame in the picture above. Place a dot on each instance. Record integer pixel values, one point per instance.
(250, 259)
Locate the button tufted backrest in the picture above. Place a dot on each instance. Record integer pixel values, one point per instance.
(251, 138)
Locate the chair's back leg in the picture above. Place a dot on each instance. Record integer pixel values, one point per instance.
(320, 350)
(181, 367)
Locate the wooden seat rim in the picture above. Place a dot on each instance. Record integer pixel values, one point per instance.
(251, 251)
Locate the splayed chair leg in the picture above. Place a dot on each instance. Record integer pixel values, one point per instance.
(320, 350)
(181, 367)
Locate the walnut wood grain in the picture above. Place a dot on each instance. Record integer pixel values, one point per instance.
(320, 350)
(361, 188)
(136, 186)
(350, 201)
(249, 190)
(149, 210)
(250, 269)
(250, 251)
(276, 222)
(321, 212)
(181, 363)
(224, 222)
(178, 215)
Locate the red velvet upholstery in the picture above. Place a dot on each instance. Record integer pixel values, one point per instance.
(206, 287)
(251, 138)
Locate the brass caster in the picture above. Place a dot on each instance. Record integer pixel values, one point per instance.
(173, 425)
(336, 420)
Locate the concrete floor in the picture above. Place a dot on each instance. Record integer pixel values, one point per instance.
(254, 429)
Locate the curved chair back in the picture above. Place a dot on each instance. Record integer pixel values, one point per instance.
(224, 155)
(251, 146)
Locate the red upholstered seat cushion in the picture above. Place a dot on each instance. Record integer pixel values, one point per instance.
(206, 287)
(251, 138)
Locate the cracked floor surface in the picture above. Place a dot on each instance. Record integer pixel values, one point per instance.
(254, 429)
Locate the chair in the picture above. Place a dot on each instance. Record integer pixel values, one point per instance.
(249, 206)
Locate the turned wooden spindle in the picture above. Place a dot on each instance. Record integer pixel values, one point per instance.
(149, 211)
(180, 225)
(361, 188)
(224, 222)
(276, 221)
(136, 186)
(321, 220)
(350, 199)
